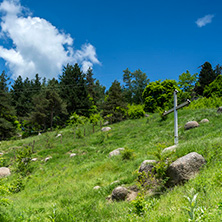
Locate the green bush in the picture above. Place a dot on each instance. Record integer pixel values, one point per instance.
(135, 111)
(202, 103)
(127, 154)
(23, 160)
(77, 120)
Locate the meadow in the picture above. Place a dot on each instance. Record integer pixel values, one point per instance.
(61, 189)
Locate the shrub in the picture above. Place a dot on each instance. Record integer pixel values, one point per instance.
(202, 103)
(127, 154)
(135, 111)
(77, 120)
(94, 118)
(23, 160)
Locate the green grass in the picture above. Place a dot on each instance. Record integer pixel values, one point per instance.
(62, 188)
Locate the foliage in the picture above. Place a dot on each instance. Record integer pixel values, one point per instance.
(73, 90)
(159, 95)
(192, 204)
(206, 76)
(214, 88)
(202, 103)
(135, 83)
(17, 185)
(77, 120)
(187, 81)
(3, 192)
(8, 122)
(114, 108)
(135, 111)
(127, 154)
(23, 160)
(94, 118)
(48, 105)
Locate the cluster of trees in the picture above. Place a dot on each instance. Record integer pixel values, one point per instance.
(37, 104)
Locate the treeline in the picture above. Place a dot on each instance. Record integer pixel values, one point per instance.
(31, 106)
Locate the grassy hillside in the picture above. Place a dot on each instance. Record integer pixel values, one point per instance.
(61, 189)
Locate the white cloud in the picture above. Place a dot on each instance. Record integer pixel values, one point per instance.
(38, 46)
(204, 20)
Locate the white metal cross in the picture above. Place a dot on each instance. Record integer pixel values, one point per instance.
(175, 115)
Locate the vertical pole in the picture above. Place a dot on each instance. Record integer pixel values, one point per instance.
(175, 118)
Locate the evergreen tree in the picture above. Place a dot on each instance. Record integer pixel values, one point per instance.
(218, 70)
(99, 95)
(206, 76)
(139, 83)
(73, 90)
(128, 91)
(114, 107)
(22, 93)
(90, 83)
(7, 114)
(48, 106)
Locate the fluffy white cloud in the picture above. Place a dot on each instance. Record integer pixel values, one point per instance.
(204, 20)
(38, 46)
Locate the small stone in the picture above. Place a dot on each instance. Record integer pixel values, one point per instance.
(48, 158)
(146, 115)
(204, 121)
(190, 125)
(219, 110)
(39, 134)
(114, 182)
(34, 159)
(106, 129)
(106, 123)
(4, 172)
(96, 187)
(1, 154)
(170, 149)
(116, 152)
(119, 193)
(147, 166)
(72, 154)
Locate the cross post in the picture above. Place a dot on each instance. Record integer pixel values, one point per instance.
(174, 109)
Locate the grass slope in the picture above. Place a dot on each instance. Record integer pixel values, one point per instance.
(62, 188)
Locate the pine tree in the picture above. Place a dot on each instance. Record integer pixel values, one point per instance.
(206, 76)
(48, 106)
(7, 114)
(114, 107)
(73, 90)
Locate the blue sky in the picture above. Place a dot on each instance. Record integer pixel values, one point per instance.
(162, 38)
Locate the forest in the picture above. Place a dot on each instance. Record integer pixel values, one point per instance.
(32, 106)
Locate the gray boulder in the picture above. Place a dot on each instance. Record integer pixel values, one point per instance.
(116, 152)
(190, 125)
(219, 110)
(185, 168)
(106, 129)
(4, 172)
(119, 193)
(147, 166)
(204, 121)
